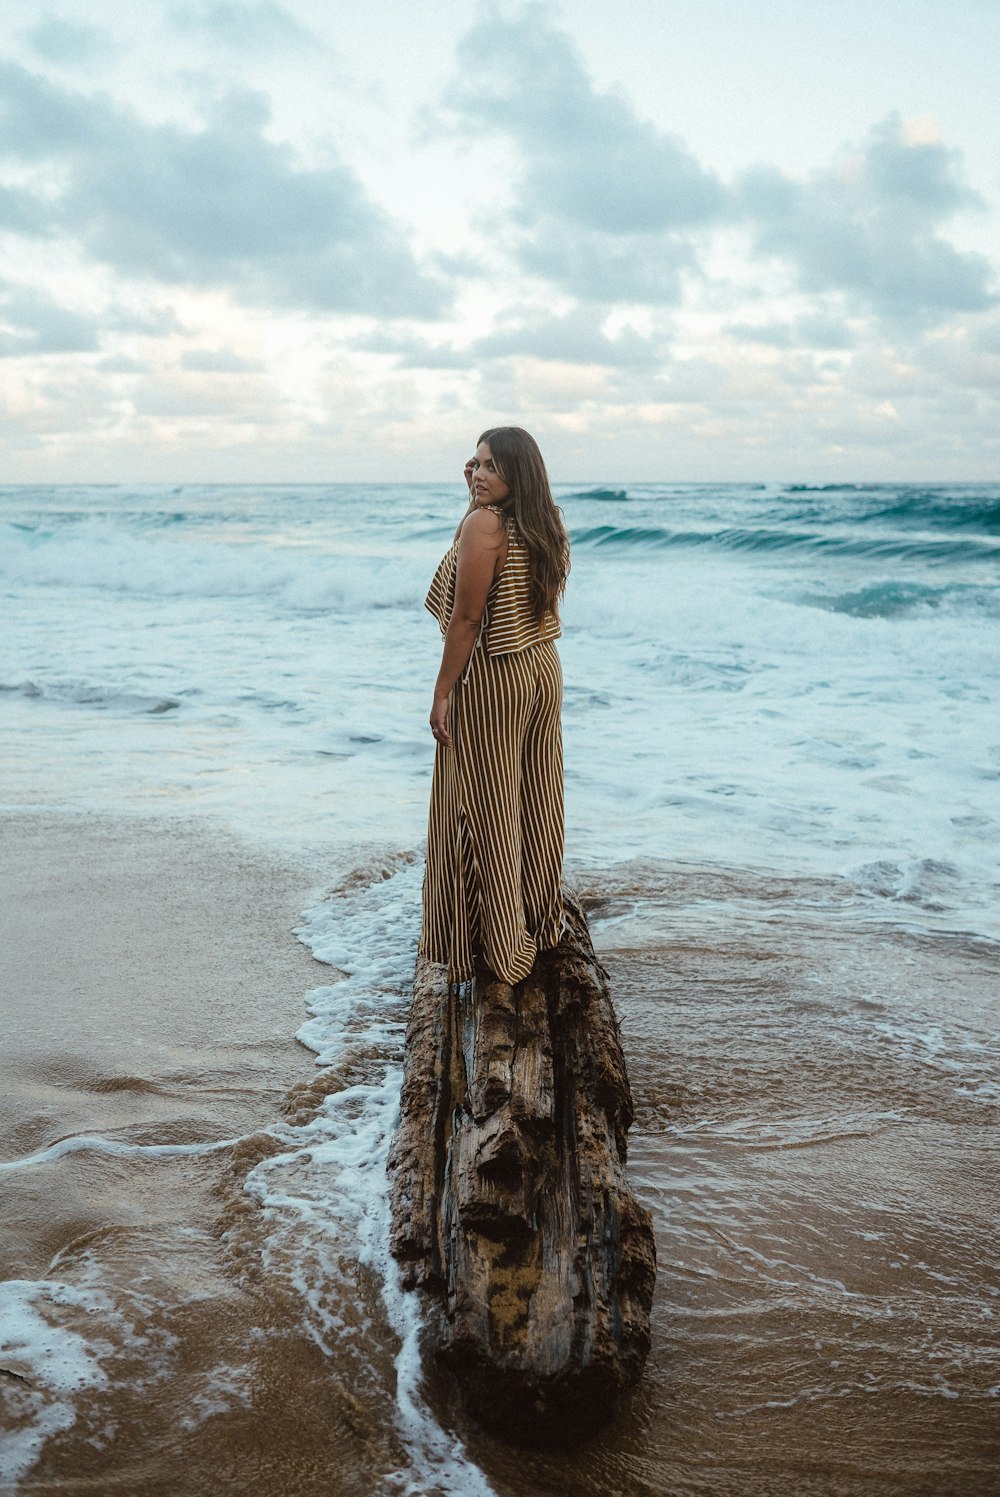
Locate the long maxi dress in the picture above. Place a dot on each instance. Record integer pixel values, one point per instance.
(492, 885)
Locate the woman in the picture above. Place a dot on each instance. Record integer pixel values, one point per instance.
(495, 833)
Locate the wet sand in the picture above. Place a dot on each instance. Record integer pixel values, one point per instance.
(152, 987)
(817, 1098)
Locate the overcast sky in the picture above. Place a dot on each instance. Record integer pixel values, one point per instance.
(677, 239)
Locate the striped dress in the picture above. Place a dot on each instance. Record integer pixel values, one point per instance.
(495, 830)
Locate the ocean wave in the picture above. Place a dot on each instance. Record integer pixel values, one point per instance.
(933, 508)
(946, 512)
(826, 488)
(891, 599)
(84, 694)
(621, 537)
(608, 496)
(56, 519)
(903, 548)
(928, 883)
(98, 555)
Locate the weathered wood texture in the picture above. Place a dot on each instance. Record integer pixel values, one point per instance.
(509, 1195)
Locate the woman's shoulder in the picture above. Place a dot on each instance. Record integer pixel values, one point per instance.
(486, 523)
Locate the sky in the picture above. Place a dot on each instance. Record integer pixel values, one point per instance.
(678, 240)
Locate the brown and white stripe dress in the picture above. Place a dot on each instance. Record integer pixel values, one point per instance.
(495, 831)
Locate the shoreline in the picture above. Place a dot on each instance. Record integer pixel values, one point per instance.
(815, 1096)
(151, 972)
(154, 987)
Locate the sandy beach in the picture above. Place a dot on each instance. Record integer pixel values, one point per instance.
(152, 989)
(824, 1310)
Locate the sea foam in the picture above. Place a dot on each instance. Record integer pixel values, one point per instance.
(50, 1364)
(326, 1193)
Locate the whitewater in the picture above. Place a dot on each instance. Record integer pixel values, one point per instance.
(795, 678)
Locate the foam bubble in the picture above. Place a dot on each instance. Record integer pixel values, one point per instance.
(927, 882)
(52, 1365)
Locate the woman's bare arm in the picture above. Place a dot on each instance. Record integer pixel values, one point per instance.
(479, 547)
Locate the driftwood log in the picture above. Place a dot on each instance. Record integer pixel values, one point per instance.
(509, 1196)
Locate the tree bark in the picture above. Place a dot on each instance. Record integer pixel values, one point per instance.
(509, 1196)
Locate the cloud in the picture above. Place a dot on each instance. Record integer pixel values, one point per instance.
(987, 338)
(219, 204)
(772, 334)
(22, 211)
(247, 402)
(59, 40)
(816, 330)
(218, 361)
(605, 200)
(870, 227)
(31, 323)
(414, 353)
(609, 208)
(611, 268)
(121, 363)
(41, 120)
(574, 337)
(589, 160)
(243, 26)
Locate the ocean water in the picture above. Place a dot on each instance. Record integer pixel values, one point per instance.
(782, 773)
(789, 678)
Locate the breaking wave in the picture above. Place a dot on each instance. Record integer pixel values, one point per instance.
(99, 555)
(894, 547)
(892, 599)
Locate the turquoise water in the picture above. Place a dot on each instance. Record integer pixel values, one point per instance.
(793, 678)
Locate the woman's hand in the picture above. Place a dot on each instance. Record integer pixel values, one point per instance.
(439, 721)
(469, 470)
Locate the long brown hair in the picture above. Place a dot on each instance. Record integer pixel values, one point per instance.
(537, 516)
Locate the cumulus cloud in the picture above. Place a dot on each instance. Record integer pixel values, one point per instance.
(609, 208)
(218, 361)
(243, 25)
(604, 277)
(816, 330)
(573, 337)
(611, 268)
(590, 160)
(605, 199)
(59, 40)
(31, 323)
(987, 338)
(218, 204)
(22, 212)
(870, 227)
(411, 352)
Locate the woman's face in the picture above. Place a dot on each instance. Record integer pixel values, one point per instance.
(487, 485)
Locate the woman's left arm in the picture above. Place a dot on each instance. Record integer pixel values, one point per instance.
(478, 548)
